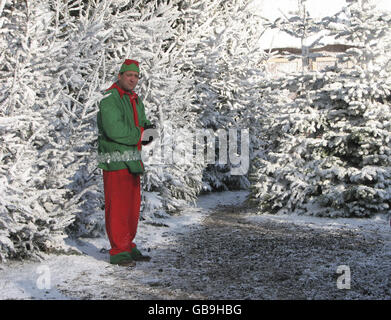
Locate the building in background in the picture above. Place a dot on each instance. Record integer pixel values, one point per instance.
(319, 59)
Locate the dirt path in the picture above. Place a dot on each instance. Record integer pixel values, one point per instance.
(229, 257)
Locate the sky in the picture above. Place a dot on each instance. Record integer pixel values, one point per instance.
(317, 9)
(273, 9)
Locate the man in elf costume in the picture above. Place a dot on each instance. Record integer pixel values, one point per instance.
(121, 123)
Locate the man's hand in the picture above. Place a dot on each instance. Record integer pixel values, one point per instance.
(146, 127)
(150, 126)
(144, 143)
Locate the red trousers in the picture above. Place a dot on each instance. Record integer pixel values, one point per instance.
(122, 208)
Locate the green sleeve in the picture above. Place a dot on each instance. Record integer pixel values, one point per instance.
(114, 125)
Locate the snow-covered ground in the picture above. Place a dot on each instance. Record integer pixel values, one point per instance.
(26, 280)
(191, 259)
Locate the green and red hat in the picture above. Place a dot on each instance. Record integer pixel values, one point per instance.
(130, 65)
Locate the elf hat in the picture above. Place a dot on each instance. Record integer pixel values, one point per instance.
(129, 65)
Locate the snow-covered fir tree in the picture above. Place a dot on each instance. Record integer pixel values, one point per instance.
(167, 93)
(35, 206)
(220, 52)
(329, 151)
(299, 24)
(81, 71)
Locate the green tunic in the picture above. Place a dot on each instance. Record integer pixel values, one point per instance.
(118, 133)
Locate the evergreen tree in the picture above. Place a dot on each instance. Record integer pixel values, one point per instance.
(329, 147)
(84, 30)
(299, 24)
(169, 185)
(221, 53)
(34, 209)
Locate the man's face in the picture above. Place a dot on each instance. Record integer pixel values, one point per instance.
(128, 80)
